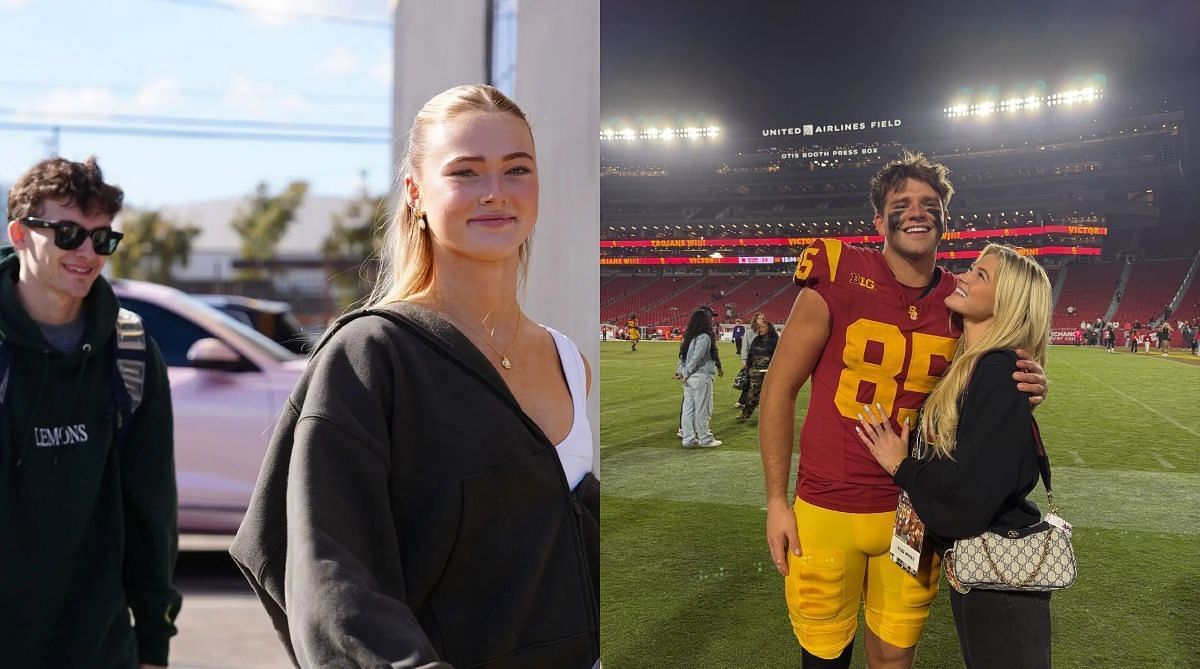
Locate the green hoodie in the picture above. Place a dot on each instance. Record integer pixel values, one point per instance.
(87, 526)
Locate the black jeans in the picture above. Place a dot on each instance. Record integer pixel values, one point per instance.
(1003, 630)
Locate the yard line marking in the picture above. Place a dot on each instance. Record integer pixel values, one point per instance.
(1136, 401)
(1162, 461)
(678, 399)
(1077, 457)
(1091, 498)
(641, 437)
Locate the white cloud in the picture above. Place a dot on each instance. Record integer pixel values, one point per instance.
(162, 93)
(260, 99)
(92, 102)
(339, 62)
(67, 101)
(382, 71)
(13, 4)
(278, 12)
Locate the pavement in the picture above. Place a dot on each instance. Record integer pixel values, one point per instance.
(221, 624)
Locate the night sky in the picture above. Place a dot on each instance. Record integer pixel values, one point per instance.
(756, 64)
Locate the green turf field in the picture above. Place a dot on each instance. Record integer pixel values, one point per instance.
(687, 580)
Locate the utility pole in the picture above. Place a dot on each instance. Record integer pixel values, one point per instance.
(51, 143)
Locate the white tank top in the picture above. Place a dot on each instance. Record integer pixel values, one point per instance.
(575, 450)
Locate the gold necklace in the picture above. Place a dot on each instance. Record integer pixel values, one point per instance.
(487, 339)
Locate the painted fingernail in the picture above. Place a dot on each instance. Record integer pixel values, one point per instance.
(879, 406)
(859, 416)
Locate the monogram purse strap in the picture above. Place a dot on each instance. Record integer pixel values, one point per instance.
(1043, 465)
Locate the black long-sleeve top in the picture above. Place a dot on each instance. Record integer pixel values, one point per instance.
(410, 515)
(994, 465)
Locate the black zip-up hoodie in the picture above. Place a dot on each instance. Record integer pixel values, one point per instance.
(409, 514)
(87, 526)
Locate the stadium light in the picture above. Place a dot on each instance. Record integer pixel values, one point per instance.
(1073, 96)
(654, 133)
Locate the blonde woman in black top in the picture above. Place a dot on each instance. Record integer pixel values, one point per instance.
(983, 461)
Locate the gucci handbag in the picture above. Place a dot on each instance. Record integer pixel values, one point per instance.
(1035, 558)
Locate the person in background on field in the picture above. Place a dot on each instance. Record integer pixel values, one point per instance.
(697, 366)
(88, 506)
(751, 333)
(982, 460)
(739, 331)
(716, 355)
(427, 499)
(758, 357)
(1164, 338)
(633, 332)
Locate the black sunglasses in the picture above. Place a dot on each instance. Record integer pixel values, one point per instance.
(69, 235)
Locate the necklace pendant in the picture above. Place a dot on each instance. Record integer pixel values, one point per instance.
(505, 363)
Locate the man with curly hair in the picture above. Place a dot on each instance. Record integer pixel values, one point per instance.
(87, 478)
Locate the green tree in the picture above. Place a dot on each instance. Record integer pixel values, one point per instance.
(355, 235)
(263, 221)
(153, 244)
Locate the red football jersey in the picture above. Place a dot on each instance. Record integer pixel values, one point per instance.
(885, 346)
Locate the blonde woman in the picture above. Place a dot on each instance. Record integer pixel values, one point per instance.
(427, 499)
(983, 460)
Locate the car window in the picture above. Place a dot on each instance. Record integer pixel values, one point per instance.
(245, 332)
(173, 333)
(241, 316)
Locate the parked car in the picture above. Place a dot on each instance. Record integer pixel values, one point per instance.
(228, 383)
(272, 318)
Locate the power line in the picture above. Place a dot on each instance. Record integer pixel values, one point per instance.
(210, 122)
(196, 134)
(305, 16)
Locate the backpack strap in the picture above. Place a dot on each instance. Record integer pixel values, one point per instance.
(129, 370)
(6, 358)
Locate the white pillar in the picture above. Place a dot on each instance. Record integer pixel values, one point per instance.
(438, 44)
(558, 86)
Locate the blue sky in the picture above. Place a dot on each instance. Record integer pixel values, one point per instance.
(95, 63)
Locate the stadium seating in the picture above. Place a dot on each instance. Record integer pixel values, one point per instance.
(751, 295)
(1151, 285)
(676, 310)
(777, 309)
(643, 292)
(622, 286)
(1189, 308)
(1089, 288)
